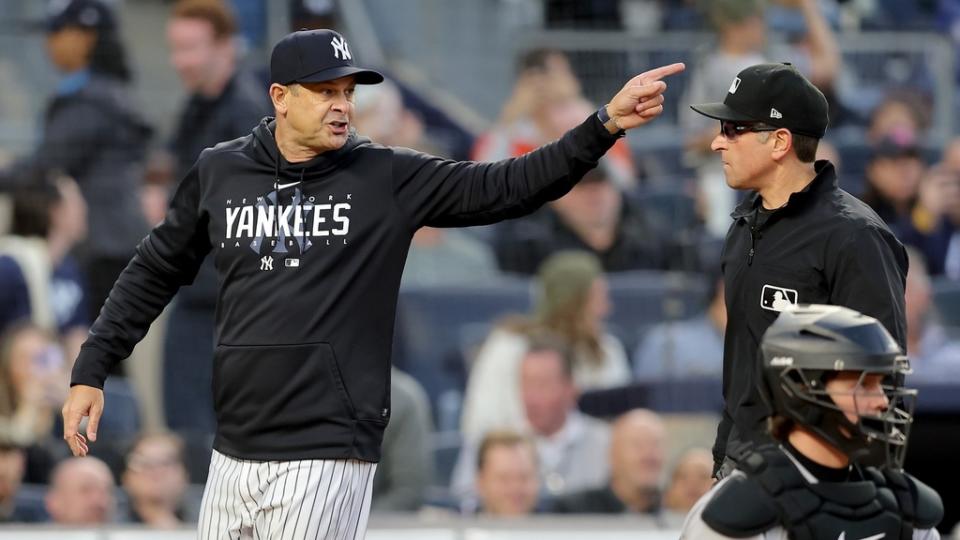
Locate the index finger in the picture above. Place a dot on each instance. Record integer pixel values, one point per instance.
(658, 73)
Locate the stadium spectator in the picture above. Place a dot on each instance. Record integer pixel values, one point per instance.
(934, 353)
(507, 480)
(14, 295)
(81, 493)
(155, 481)
(12, 468)
(636, 465)
(951, 211)
(49, 220)
(33, 384)
(691, 478)
(687, 348)
(931, 228)
(571, 446)
(899, 116)
(95, 133)
(893, 176)
(225, 102)
(439, 257)
(572, 302)
(380, 114)
(547, 100)
(594, 216)
(406, 466)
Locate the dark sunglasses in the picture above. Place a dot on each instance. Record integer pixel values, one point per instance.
(732, 130)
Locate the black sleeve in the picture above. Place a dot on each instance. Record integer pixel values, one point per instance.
(720, 445)
(444, 193)
(166, 259)
(868, 273)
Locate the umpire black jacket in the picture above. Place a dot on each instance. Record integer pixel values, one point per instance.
(306, 306)
(824, 247)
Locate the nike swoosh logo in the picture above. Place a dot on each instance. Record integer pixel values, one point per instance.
(285, 186)
(843, 536)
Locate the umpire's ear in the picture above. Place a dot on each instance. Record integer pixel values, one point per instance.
(279, 94)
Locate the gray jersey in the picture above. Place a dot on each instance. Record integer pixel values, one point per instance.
(694, 528)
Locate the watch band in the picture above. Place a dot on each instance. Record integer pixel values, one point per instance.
(605, 117)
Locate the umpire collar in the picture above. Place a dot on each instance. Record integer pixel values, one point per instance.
(824, 181)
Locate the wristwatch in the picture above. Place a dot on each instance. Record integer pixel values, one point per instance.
(604, 118)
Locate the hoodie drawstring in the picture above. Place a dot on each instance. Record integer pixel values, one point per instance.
(303, 216)
(276, 208)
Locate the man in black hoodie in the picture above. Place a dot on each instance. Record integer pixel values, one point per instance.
(309, 225)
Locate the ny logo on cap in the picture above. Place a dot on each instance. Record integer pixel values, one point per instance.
(734, 85)
(340, 48)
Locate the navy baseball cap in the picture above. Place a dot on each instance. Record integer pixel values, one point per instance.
(316, 56)
(90, 14)
(775, 94)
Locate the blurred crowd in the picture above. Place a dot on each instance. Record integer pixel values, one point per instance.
(516, 439)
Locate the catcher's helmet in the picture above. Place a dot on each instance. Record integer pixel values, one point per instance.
(810, 344)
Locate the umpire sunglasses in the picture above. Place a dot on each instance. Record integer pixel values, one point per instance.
(732, 130)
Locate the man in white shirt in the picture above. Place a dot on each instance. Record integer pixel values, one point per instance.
(571, 446)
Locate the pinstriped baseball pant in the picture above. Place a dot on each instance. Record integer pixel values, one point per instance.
(320, 499)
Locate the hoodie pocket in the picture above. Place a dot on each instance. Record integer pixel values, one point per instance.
(282, 391)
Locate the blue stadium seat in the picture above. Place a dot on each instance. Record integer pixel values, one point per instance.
(436, 324)
(643, 298)
(670, 207)
(673, 396)
(29, 505)
(446, 450)
(946, 296)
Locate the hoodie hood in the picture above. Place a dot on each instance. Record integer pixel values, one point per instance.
(265, 151)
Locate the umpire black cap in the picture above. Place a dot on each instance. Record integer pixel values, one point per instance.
(316, 56)
(90, 14)
(775, 94)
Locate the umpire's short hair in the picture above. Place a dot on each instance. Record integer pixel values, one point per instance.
(506, 438)
(805, 147)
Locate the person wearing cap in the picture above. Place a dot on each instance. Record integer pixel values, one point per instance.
(596, 216)
(308, 224)
(893, 173)
(95, 132)
(796, 238)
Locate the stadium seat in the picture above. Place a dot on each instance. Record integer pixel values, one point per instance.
(946, 296)
(435, 325)
(644, 298)
(674, 396)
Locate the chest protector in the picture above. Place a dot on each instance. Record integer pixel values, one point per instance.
(774, 493)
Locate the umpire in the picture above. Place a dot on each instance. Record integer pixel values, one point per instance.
(796, 238)
(309, 226)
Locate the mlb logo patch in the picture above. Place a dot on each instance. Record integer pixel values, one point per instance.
(776, 298)
(291, 263)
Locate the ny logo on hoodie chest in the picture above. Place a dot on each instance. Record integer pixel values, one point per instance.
(286, 223)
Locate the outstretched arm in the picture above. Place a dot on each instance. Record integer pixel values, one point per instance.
(166, 259)
(443, 193)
